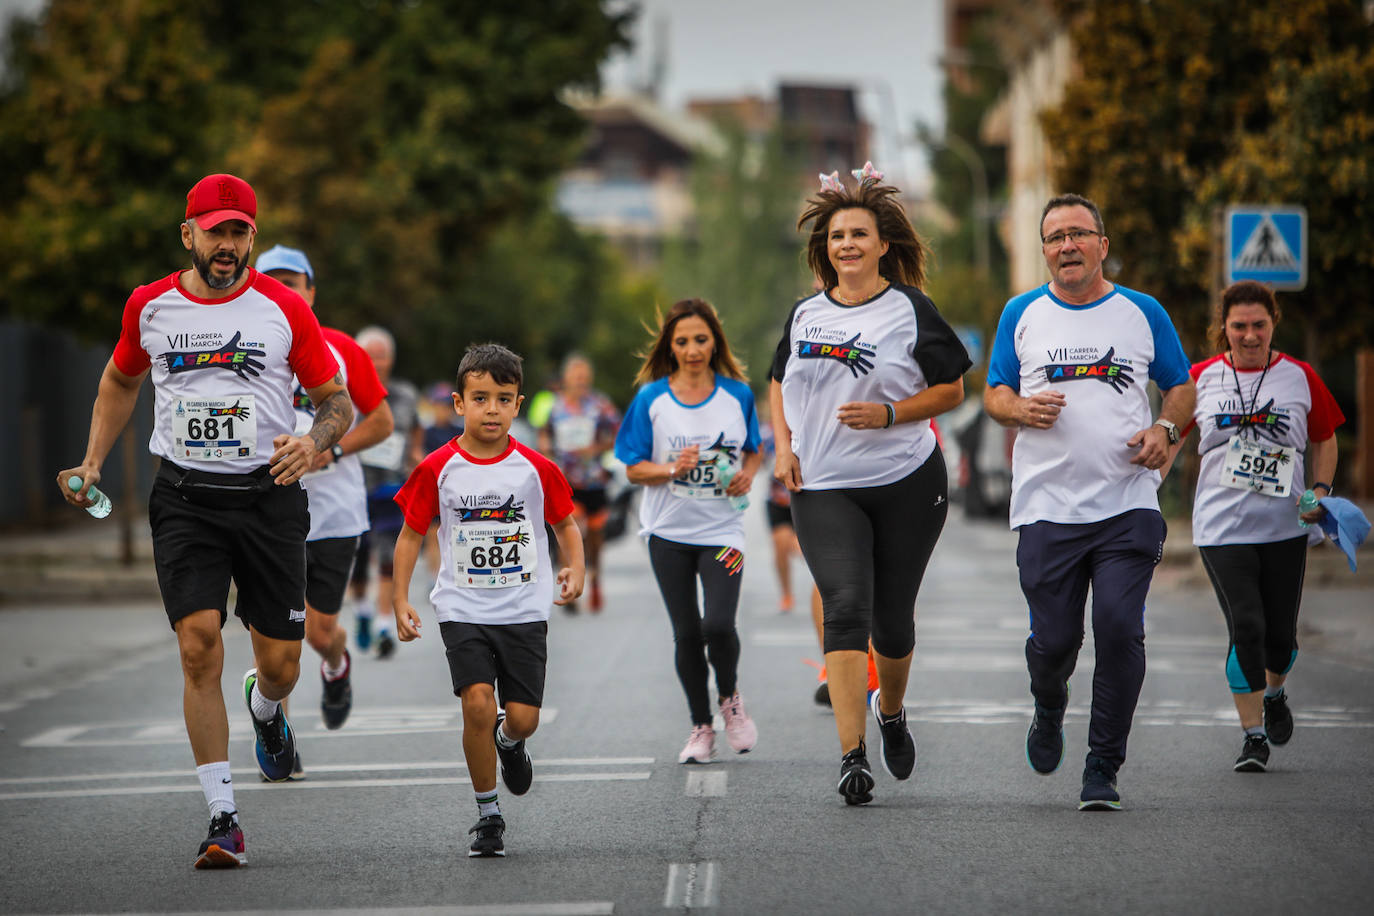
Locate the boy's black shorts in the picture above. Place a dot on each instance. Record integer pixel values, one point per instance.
(328, 561)
(255, 537)
(510, 656)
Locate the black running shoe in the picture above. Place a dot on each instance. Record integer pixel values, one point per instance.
(899, 748)
(856, 778)
(1099, 787)
(517, 771)
(488, 842)
(1254, 756)
(336, 698)
(1278, 719)
(823, 694)
(275, 746)
(223, 848)
(1045, 740)
(386, 646)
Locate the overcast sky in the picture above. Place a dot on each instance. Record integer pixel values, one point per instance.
(719, 48)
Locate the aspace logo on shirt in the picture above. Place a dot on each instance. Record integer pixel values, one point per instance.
(1264, 420)
(856, 357)
(301, 401)
(727, 450)
(509, 511)
(207, 351)
(1069, 364)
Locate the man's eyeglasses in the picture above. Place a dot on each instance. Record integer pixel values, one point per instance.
(1077, 236)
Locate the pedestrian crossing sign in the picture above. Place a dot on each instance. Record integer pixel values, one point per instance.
(1268, 244)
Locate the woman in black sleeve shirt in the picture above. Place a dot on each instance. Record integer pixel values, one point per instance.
(861, 369)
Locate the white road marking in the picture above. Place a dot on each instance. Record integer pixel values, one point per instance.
(706, 783)
(250, 786)
(692, 886)
(370, 722)
(332, 768)
(569, 908)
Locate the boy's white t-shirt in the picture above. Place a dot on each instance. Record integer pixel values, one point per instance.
(494, 563)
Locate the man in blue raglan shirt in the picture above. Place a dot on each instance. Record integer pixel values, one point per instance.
(1069, 367)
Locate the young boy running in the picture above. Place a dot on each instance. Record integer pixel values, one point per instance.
(492, 496)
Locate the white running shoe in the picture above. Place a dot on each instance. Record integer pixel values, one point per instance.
(740, 730)
(701, 745)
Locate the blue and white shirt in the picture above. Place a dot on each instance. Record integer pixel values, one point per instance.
(1100, 356)
(657, 426)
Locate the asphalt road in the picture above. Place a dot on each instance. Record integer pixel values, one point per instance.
(100, 810)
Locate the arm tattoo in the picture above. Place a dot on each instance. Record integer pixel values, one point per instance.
(332, 417)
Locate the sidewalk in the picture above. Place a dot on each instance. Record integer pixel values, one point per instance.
(79, 561)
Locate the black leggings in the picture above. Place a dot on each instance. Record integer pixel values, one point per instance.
(1259, 587)
(699, 637)
(867, 548)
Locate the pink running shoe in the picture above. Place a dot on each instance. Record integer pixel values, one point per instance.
(701, 745)
(740, 730)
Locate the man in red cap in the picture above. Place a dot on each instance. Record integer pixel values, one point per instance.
(223, 345)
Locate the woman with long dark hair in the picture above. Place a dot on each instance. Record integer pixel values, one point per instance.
(691, 439)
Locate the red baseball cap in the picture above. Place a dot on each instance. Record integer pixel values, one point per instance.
(216, 198)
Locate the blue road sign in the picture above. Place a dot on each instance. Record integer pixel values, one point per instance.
(1267, 243)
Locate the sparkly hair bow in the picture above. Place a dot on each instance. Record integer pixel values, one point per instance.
(831, 182)
(867, 173)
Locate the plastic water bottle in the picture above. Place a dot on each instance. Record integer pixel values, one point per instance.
(100, 503)
(1306, 504)
(726, 471)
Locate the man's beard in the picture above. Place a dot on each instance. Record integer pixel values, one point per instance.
(203, 267)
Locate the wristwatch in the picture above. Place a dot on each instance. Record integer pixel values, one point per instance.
(337, 451)
(1169, 428)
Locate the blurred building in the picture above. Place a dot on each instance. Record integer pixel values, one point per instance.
(1038, 56)
(631, 182)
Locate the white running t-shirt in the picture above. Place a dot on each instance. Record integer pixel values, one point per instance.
(694, 509)
(494, 565)
(1286, 405)
(884, 350)
(222, 369)
(1100, 356)
(338, 499)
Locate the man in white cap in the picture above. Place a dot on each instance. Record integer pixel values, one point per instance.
(338, 499)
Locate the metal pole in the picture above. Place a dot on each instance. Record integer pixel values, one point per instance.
(981, 244)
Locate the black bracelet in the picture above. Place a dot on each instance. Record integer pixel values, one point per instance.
(1324, 486)
(891, 415)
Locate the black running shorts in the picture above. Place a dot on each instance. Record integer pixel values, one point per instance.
(328, 561)
(260, 546)
(510, 656)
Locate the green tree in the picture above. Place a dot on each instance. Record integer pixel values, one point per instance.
(1182, 106)
(389, 139)
(965, 293)
(744, 254)
(544, 289)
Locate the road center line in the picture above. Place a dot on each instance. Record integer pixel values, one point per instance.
(706, 783)
(692, 885)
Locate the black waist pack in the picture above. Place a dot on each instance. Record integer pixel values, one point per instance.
(216, 491)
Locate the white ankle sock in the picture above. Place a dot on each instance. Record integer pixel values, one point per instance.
(504, 740)
(263, 708)
(218, 787)
(333, 674)
(486, 803)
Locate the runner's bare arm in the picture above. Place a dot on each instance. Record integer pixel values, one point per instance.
(114, 404)
(571, 578)
(402, 567)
